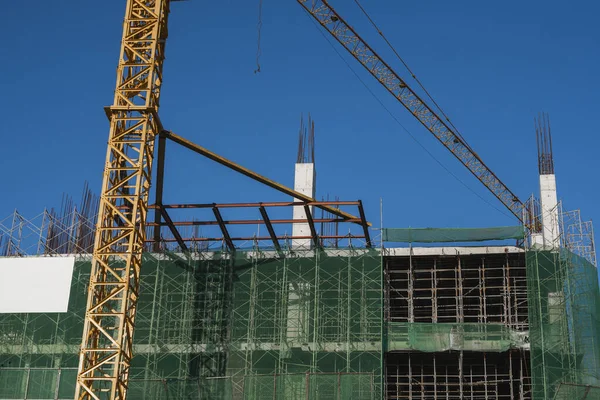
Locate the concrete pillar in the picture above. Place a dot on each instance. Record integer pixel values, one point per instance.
(298, 313)
(537, 240)
(305, 183)
(549, 210)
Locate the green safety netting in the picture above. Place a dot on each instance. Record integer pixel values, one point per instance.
(447, 235)
(564, 302)
(568, 391)
(220, 324)
(340, 386)
(32, 383)
(434, 337)
(253, 325)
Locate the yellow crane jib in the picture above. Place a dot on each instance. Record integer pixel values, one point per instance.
(329, 19)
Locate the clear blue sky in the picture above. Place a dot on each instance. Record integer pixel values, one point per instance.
(491, 65)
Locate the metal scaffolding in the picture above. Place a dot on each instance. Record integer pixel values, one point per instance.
(458, 375)
(458, 288)
(67, 230)
(321, 322)
(564, 302)
(457, 324)
(222, 325)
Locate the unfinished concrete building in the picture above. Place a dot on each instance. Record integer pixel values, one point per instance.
(453, 322)
(482, 314)
(232, 313)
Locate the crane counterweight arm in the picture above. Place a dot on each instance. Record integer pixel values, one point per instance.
(329, 19)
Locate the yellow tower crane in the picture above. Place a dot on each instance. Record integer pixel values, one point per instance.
(106, 349)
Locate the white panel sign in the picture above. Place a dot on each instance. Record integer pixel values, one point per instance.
(35, 284)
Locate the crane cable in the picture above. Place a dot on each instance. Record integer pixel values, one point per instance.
(430, 154)
(259, 29)
(456, 131)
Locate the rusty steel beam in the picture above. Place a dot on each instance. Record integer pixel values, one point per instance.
(160, 174)
(267, 222)
(264, 204)
(311, 225)
(223, 227)
(361, 211)
(254, 222)
(248, 238)
(173, 229)
(251, 174)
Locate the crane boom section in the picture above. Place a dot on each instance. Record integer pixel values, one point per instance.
(107, 344)
(327, 17)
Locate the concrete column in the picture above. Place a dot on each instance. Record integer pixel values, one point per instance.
(298, 313)
(305, 183)
(549, 210)
(537, 240)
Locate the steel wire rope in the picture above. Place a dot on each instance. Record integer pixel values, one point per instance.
(259, 31)
(398, 122)
(412, 74)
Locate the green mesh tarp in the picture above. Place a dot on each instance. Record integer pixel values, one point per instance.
(340, 386)
(207, 324)
(428, 337)
(320, 315)
(447, 235)
(568, 391)
(50, 384)
(564, 302)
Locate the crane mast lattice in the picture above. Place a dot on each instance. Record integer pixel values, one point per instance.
(106, 349)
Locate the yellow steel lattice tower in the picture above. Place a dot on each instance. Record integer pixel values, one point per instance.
(106, 349)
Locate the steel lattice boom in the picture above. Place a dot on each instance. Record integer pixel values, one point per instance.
(106, 349)
(347, 37)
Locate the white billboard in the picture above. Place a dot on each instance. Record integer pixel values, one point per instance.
(35, 284)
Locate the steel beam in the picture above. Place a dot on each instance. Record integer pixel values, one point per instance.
(311, 224)
(223, 227)
(254, 222)
(361, 211)
(160, 174)
(267, 222)
(247, 238)
(317, 204)
(174, 230)
(251, 174)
